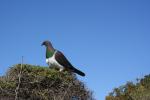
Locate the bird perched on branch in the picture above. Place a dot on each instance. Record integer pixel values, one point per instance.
(56, 58)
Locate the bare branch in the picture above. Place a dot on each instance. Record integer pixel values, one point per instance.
(19, 80)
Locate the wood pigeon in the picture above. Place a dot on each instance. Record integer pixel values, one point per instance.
(56, 58)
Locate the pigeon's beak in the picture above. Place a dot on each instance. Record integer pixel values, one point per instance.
(43, 44)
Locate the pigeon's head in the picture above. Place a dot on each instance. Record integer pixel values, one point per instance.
(47, 43)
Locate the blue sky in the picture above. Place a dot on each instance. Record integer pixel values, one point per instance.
(107, 39)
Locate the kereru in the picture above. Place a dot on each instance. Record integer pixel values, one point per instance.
(56, 58)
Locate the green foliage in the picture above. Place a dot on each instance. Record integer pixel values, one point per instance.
(41, 83)
(131, 91)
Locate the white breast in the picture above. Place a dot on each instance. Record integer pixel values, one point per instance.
(52, 62)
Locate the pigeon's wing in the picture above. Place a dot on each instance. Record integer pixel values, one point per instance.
(62, 60)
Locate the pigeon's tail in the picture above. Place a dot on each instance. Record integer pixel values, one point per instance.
(78, 72)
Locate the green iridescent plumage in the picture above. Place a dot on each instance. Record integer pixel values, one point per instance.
(49, 53)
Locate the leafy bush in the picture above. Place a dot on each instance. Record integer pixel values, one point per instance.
(29, 82)
(131, 91)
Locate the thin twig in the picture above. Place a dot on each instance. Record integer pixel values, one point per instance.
(1, 89)
(63, 98)
(19, 80)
